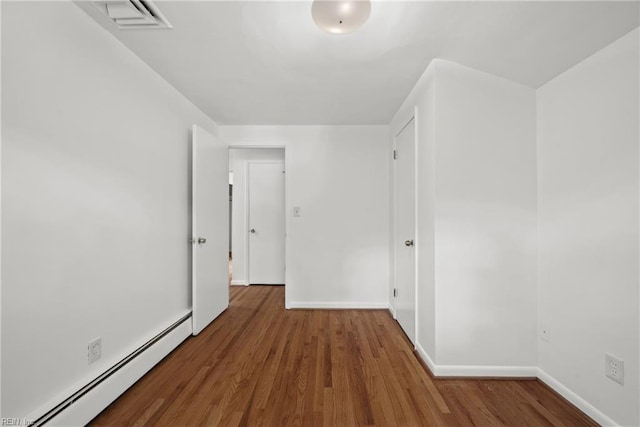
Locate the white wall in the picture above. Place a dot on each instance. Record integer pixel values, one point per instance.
(485, 219)
(477, 179)
(588, 226)
(239, 159)
(476, 224)
(420, 104)
(337, 250)
(95, 193)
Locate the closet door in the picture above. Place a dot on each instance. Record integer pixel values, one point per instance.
(405, 219)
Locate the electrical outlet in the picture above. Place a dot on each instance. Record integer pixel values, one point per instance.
(545, 333)
(94, 350)
(614, 368)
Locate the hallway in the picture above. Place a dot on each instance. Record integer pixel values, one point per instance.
(259, 364)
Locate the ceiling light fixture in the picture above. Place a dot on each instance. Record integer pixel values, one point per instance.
(340, 16)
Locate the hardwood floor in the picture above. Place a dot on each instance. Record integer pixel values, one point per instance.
(259, 364)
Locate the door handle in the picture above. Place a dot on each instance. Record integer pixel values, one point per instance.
(408, 242)
(202, 240)
(253, 231)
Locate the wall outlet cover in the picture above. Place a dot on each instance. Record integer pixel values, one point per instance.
(614, 368)
(94, 350)
(545, 333)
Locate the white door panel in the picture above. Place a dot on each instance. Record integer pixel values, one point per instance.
(266, 222)
(405, 301)
(210, 228)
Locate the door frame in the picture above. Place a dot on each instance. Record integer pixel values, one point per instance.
(414, 117)
(288, 283)
(247, 201)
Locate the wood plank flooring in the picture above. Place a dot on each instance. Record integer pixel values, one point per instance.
(261, 365)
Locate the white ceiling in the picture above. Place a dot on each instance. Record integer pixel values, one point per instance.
(267, 63)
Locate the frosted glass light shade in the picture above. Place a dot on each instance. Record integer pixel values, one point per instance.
(340, 16)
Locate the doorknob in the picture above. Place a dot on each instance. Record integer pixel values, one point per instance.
(408, 242)
(253, 230)
(201, 240)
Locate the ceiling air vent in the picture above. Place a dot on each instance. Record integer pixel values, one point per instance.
(133, 14)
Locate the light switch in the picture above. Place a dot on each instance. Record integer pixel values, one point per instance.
(296, 211)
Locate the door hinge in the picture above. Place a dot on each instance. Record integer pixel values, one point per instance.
(395, 292)
(395, 154)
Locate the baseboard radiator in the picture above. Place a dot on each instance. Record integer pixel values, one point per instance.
(93, 398)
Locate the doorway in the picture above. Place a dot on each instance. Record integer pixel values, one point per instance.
(257, 244)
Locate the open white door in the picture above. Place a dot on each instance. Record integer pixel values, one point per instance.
(405, 301)
(266, 222)
(210, 228)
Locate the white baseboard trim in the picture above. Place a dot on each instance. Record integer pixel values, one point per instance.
(339, 305)
(597, 415)
(102, 395)
(392, 310)
(476, 371)
(425, 358)
(239, 283)
(516, 371)
(485, 371)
